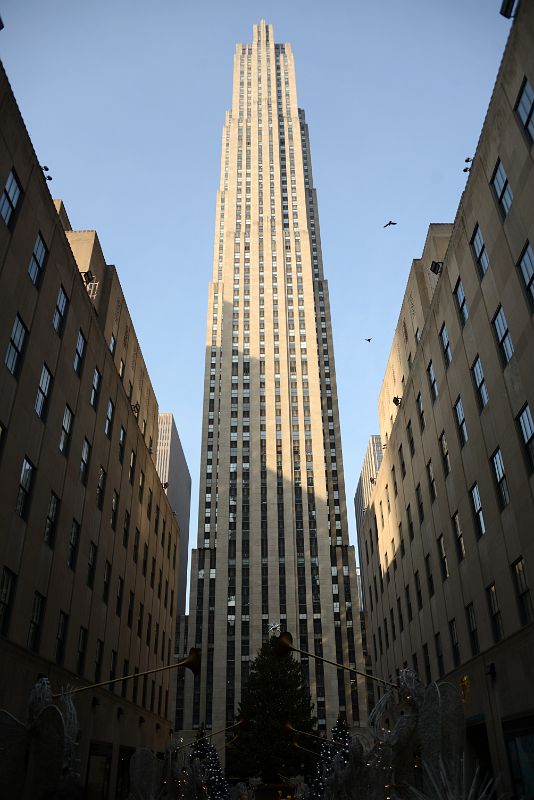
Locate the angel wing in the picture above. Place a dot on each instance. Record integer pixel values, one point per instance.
(13, 742)
(46, 742)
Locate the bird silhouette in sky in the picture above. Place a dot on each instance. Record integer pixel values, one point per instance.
(369, 340)
(389, 223)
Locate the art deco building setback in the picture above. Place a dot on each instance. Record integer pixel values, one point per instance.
(89, 544)
(446, 543)
(273, 548)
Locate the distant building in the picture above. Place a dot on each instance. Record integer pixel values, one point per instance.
(369, 471)
(446, 541)
(89, 544)
(174, 475)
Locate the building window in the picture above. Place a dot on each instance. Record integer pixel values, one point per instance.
(95, 388)
(439, 654)
(36, 622)
(461, 301)
(122, 444)
(446, 345)
(495, 613)
(460, 421)
(444, 450)
(66, 429)
(131, 469)
(526, 265)
(126, 528)
(503, 335)
(526, 426)
(7, 596)
(37, 261)
(51, 519)
(101, 487)
(15, 348)
(480, 383)
(43, 392)
(479, 249)
(84, 461)
(10, 199)
(410, 522)
(500, 478)
(409, 434)
(443, 558)
(82, 650)
(99, 656)
(472, 628)
(420, 507)
(79, 353)
(141, 485)
(429, 576)
(420, 411)
(458, 537)
(91, 564)
(432, 381)
(60, 311)
(120, 592)
(72, 549)
(431, 481)
(502, 189)
(418, 591)
(114, 510)
(522, 591)
(477, 510)
(140, 619)
(61, 637)
(107, 581)
(112, 344)
(455, 645)
(108, 424)
(402, 464)
(25, 488)
(525, 107)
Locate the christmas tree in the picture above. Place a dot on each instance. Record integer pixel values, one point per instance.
(337, 749)
(205, 755)
(200, 747)
(274, 698)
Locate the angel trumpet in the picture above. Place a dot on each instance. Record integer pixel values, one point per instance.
(289, 727)
(284, 646)
(192, 662)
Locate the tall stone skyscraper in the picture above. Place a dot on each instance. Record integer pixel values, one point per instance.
(273, 549)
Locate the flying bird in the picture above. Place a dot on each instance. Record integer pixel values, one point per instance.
(389, 223)
(368, 340)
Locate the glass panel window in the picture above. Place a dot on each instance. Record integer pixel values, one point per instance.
(526, 265)
(460, 420)
(7, 596)
(461, 301)
(51, 519)
(37, 261)
(495, 613)
(500, 478)
(522, 591)
(43, 392)
(10, 198)
(458, 537)
(122, 444)
(25, 488)
(79, 353)
(432, 381)
(402, 462)
(502, 189)
(446, 345)
(420, 507)
(526, 427)
(114, 510)
(15, 348)
(453, 632)
(131, 468)
(91, 564)
(477, 510)
(36, 622)
(84, 462)
(409, 434)
(525, 107)
(472, 628)
(502, 333)
(95, 388)
(112, 344)
(60, 311)
(479, 249)
(480, 383)
(443, 558)
(431, 481)
(444, 449)
(66, 429)
(108, 424)
(101, 487)
(72, 549)
(420, 411)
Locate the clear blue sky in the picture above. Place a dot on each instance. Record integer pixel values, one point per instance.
(125, 102)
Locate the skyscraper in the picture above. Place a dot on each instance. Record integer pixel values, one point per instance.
(273, 549)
